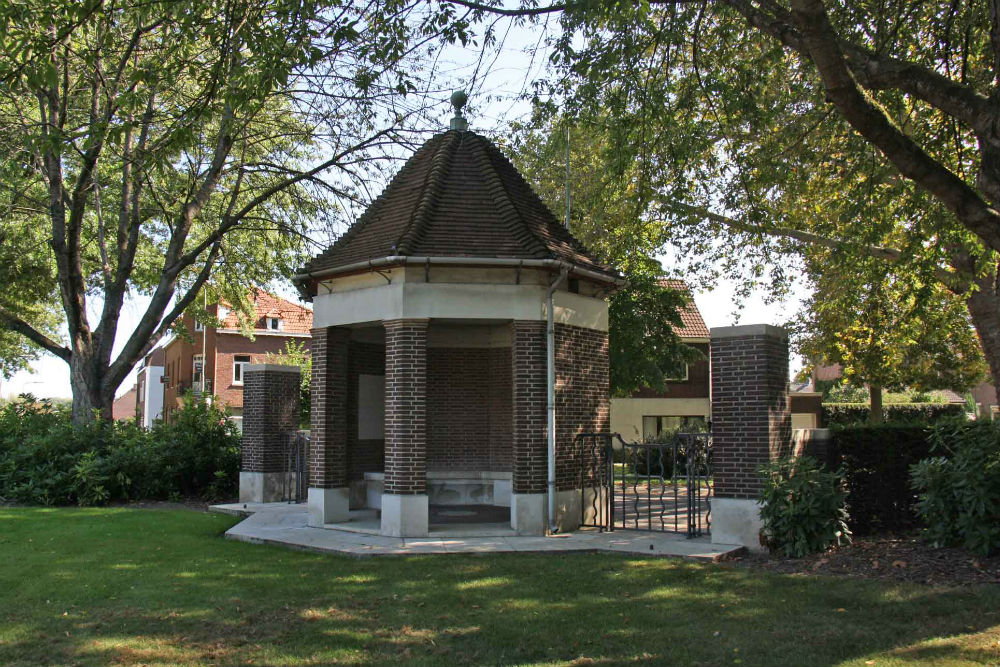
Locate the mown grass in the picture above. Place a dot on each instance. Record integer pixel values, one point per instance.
(148, 587)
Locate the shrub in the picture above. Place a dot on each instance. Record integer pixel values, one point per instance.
(960, 488)
(802, 507)
(876, 462)
(849, 414)
(46, 459)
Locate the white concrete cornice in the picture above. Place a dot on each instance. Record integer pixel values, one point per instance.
(456, 301)
(747, 330)
(272, 368)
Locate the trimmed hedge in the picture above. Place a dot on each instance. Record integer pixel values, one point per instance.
(876, 461)
(848, 414)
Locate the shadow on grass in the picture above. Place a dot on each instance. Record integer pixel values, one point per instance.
(157, 588)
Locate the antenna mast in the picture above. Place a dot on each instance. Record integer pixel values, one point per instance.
(567, 177)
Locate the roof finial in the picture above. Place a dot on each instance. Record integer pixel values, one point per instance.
(458, 100)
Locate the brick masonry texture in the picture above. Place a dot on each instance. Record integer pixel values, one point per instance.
(271, 399)
(456, 408)
(405, 406)
(751, 422)
(362, 455)
(328, 437)
(528, 406)
(583, 403)
(468, 409)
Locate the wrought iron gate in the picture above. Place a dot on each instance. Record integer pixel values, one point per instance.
(294, 479)
(664, 487)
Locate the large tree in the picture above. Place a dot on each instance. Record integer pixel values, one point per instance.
(866, 128)
(605, 213)
(149, 147)
(887, 331)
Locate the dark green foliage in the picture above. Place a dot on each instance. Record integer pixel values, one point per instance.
(846, 414)
(876, 461)
(45, 459)
(960, 488)
(802, 507)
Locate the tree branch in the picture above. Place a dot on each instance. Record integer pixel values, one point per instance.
(871, 122)
(15, 323)
(893, 255)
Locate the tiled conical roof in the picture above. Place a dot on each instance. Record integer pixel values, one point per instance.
(457, 196)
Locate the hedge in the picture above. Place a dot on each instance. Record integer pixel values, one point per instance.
(46, 459)
(846, 414)
(876, 460)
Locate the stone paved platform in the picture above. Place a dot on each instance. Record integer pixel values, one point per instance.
(285, 524)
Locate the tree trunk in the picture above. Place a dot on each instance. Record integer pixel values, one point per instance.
(984, 309)
(875, 405)
(91, 400)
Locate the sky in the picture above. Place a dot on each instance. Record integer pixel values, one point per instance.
(496, 82)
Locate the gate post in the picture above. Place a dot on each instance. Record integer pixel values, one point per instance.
(270, 417)
(751, 424)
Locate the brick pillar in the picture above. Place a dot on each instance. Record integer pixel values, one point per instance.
(528, 377)
(328, 490)
(404, 498)
(751, 423)
(583, 405)
(270, 420)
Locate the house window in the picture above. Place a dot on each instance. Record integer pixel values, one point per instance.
(197, 367)
(199, 326)
(273, 323)
(240, 362)
(223, 313)
(655, 426)
(682, 376)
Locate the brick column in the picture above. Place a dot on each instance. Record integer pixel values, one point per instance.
(404, 498)
(270, 420)
(751, 423)
(528, 376)
(328, 490)
(583, 405)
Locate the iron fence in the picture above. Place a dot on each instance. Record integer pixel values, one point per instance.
(295, 477)
(662, 487)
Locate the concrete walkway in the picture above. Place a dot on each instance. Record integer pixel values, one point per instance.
(285, 524)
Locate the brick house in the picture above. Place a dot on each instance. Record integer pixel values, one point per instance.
(687, 400)
(214, 358)
(431, 340)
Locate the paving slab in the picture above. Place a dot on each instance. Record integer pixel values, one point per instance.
(286, 524)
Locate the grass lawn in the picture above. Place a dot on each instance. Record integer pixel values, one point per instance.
(148, 587)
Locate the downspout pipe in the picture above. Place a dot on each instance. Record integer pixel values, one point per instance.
(550, 363)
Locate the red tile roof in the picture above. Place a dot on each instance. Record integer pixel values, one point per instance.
(693, 326)
(123, 407)
(294, 318)
(457, 196)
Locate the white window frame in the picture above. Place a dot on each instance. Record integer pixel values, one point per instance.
(276, 321)
(195, 360)
(241, 365)
(684, 377)
(199, 326)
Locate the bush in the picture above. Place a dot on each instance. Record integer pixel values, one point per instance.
(876, 461)
(45, 459)
(850, 414)
(802, 507)
(960, 488)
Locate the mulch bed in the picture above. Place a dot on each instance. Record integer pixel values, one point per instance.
(895, 558)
